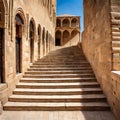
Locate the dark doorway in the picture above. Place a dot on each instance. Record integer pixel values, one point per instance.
(1, 55)
(18, 55)
(39, 38)
(31, 41)
(57, 42)
(19, 26)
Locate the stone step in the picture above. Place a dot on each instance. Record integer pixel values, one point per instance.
(115, 29)
(58, 91)
(57, 80)
(60, 72)
(21, 106)
(115, 14)
(60, 66)
(54, 65)
(59, 75)
(57, 85)
(115, 51)
(114, 38)
(61, 63)
(62, 60)
(59, 69)
(116, 33)
(58, 98)
(115, 22)
(115, 43)
(116, 48)
(115, 8)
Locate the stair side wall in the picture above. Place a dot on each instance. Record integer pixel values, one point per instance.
(96, 42)
(115, 27)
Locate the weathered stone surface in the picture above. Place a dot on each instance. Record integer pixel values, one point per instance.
(102, 24)
(42, 15)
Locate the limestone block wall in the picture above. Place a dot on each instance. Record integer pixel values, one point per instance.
(115, 27)
(100, 42)
(43, 16)
(96, 42)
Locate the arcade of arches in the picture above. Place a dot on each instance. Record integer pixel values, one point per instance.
(67, 27)
(27, 36)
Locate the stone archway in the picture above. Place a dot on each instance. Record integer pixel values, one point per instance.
(43, 40)
(58, 38)
(47, 42)
(58, 23)
(39, 40)
(66, 23)
(32, 37)
(19, 27)
(66, 36)
(74, 23)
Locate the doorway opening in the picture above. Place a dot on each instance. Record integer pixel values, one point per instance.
(19, 26)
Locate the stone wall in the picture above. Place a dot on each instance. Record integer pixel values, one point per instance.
(116, 93)
(115, 24)
(96, 42)
(43, 15)
(97, 45)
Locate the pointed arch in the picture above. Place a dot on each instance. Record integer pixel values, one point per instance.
(32, 31)
(66, 23)
(19, 23)
(39, 39)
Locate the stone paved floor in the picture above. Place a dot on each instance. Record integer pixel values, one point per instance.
(63, 115)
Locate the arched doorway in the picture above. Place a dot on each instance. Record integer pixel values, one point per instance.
(2, 23)
(19, 26)
(31, 35)
(58, 38)
(66, 23)
(58, 23)
(39, 40)
(74, 23)
(66, 37)
(43, 40)
(47, 44)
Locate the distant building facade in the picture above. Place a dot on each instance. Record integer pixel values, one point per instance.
(67, 27)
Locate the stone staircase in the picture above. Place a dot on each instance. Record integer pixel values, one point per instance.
(61, 81)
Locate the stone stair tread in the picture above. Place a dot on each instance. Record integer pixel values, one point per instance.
(62, 68)
(69, 71)
(58, 96)
(57, 84)
(58, 74)
(57, 90)
(58, 79)
(95, 104)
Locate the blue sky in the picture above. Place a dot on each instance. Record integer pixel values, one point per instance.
(72, 7)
